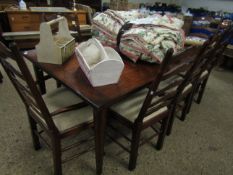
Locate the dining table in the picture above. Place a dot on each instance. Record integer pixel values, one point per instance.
(134, 77)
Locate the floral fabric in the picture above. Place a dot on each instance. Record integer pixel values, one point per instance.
(148, 39)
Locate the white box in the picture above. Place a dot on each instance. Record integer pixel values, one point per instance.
(107, 71)
(55, 49)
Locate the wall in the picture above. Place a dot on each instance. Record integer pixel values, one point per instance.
(144, 1)
(216, 5)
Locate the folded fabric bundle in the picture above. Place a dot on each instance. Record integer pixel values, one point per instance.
(107, 25)
(147, 39)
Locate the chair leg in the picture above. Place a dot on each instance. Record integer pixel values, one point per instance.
(194, 91)
(171, 120)
(201, 92)
(57, 162)
(134, 148)
(187, 106)
(35, 138)
(58, 84)
(40, 79)
(1, 77)
(162, 134)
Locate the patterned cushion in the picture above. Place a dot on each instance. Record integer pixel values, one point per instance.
(61, 97)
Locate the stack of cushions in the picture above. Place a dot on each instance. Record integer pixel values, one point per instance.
(148, 39)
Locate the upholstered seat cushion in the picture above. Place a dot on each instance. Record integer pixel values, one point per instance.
(170, 80)
(62, 97)
(173, 79)
(131, 106)
(187, 89)
(204, 74)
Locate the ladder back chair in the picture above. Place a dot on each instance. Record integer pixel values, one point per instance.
(151, 106)
(202, 58)
(59, 114)
(201, 61)
(1, 77)
(225, 37)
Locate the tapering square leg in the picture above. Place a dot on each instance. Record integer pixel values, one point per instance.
(57, 162)
(134, 148)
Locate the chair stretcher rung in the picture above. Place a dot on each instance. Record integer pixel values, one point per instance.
(78, 154)
(148, 139)
(118, 143)
(120, 133)
(42, 139)
(155, 129)
(77, 144)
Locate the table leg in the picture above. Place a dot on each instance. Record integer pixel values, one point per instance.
(100, 125)
(1, 77)
(40, 79)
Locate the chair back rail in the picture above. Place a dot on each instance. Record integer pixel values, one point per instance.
(221, 41)
(226, 37)
(23, 82)
(157, 97)
(162, 91)
(205, 57)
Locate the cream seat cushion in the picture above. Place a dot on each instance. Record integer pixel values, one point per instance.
(62, 97)
(173, 79)
(131, 106)
(170, 80)
(204, 74)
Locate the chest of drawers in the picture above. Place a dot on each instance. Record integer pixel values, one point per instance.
(30, 21)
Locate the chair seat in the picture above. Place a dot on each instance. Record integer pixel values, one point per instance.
(173, 79)
(61, 97)
(131, 106)
(204, 75)
(165, 83)
(187, 89)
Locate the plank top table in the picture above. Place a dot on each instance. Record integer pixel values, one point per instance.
(133, 78)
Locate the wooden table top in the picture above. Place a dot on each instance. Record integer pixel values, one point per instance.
(133, 78)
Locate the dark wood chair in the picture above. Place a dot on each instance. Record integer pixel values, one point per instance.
(59, 114)
(204, 56)
(1, 77)
(201, 84)
(202, 31)
(151, 106)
